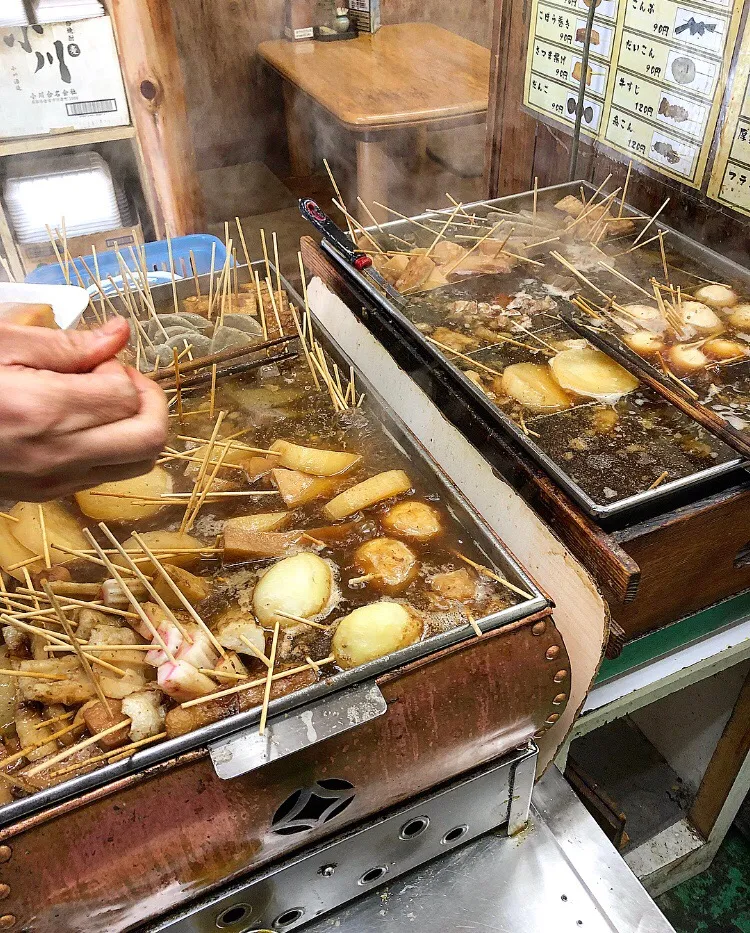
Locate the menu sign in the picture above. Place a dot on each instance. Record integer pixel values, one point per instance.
(657, 72)
(730, 178)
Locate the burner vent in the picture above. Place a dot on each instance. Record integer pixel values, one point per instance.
(309, 807)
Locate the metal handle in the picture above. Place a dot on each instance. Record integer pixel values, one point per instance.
(247, 751)
(333, 233)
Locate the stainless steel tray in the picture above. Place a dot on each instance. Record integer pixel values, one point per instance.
(482, 537)
(621, 511)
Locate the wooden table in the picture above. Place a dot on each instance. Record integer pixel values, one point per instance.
(403, 76)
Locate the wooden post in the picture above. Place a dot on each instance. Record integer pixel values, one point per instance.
(151, 71)
(731, 751)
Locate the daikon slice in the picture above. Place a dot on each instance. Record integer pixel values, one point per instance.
(592, 374)
(532, 385)
(119, 502)
(313, 460)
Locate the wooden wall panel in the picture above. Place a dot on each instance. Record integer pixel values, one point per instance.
(235, 105)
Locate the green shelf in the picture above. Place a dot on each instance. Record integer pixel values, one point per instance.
(675, 636)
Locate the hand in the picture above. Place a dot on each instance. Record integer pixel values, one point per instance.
(71, 416)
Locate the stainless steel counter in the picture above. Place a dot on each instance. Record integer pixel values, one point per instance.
(560, 874)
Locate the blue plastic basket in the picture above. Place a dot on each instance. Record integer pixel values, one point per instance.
(157, 261)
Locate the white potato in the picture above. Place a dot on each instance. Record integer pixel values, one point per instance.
(648, 316)
(686, 359)
(700, 318)
(719, 348)
(374, 631)
(644, 342)
(592, 374)
(101, 504)
(532, 385)
(393, 565)
(740, 317)
(716, 296)
(301, 586)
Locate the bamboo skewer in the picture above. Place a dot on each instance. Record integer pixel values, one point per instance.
(640, 235)
(338, 195)
(63, 265)
(579, 275)
(274, 308)
(302, 620)
(492, 574)
(442, 230)
(49, 722)
(115, 754)
(352, 221)
(34, 674)
(463, 356)
(269, 681)
(473, 623)
(625, 190)
(468, 253)
(303, 344)
(77, 648)
(57, 639)
(663, 257)
(659, 480)
(282, 675)
(202, 471)
(171, 617)
(33, 746)
(256, 651)
(186, 604)
(241, 233)
(624, 278)
(206, 489)
(73, 749)
(410, 220)
(156, 636)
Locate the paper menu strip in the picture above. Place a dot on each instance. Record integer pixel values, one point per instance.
(730, 177)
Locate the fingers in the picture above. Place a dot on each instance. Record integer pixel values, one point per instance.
(62, 483)
(101, 397)
(141, 437)
(42, 404)
(62, 351)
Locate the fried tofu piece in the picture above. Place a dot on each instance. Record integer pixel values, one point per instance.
(455, 584)
(416, 274)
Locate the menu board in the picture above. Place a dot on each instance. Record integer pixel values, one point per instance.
(656, 77)
(730, 178)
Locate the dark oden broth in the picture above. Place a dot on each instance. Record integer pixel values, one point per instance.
(287, 406)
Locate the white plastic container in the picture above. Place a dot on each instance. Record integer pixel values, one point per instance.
(68, 302)
(78, 187)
